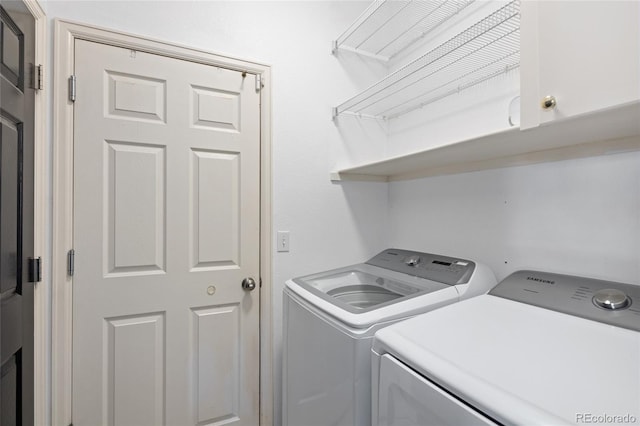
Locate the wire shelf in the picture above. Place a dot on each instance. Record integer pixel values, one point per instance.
(489, 48)
(388, 27)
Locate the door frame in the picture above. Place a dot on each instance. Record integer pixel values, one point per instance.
(66, 32)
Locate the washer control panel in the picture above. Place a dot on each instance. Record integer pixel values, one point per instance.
(443, 269)
(605, 301)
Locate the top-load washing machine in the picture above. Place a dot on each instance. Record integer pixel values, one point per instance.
(330, 319)
(538, 349)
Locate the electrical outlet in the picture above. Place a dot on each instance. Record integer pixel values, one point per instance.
(283, 240)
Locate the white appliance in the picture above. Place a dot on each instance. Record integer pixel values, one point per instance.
(330, 319)
(538, 349)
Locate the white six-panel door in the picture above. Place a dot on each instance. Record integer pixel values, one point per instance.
(166, 227)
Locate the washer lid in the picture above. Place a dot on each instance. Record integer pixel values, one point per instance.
(523, 364)
(390, 277)
(362, 288)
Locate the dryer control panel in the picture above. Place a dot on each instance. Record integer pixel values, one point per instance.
(443, 269)
(604, 301)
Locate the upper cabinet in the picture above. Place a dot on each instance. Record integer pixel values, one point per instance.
(582, 56)
(579, 64)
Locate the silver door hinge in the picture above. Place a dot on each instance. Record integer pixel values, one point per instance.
(36, 77)
(35, 269)
(71, 260)
(259, 83)
(72, 88)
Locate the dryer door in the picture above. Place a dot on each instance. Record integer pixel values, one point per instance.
(406, 399)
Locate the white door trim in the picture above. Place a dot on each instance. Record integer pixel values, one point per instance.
(41, 158)
(61, 364)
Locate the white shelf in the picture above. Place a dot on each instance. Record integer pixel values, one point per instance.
(603, 132)
(388, 27)
(485, 50)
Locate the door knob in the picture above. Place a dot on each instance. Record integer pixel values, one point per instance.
(248, 284)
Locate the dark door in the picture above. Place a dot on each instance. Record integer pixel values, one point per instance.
(16, 214)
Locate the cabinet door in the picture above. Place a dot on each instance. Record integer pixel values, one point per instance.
(584, 53)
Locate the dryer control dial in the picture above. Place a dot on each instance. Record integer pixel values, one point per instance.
(611, 299)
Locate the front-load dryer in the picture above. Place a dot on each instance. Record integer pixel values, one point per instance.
(330, 319)
(538, 349)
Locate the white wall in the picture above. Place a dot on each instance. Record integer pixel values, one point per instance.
(330, 224)
(578, 217)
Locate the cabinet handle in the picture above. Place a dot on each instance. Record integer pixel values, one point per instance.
(549, 102)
